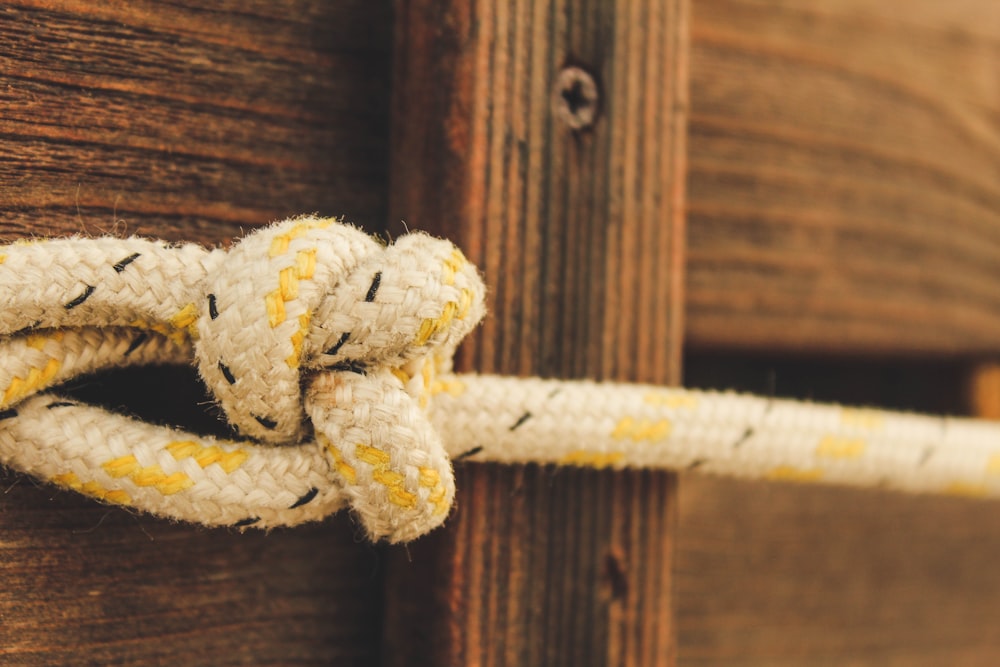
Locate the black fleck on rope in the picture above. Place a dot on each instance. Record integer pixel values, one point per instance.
(743, 438)
(226, 373)
(265, 422)
(340, 343)
(306, 497)
(136, 342)
(213, 310)
(523, 418)
(8, 413)
(120, 265)
(28, 329)
(467, 454)
(60, 404)
(249, 521)
(80, 299)
(351, 366)
(376, 281)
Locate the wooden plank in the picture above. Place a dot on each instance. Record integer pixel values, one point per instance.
(539, 566)
(782, 575)
(173, 120)
(184, 122)
(844, 157)
(841, 199)
(576, 225)
(984, 390)
(86, 584)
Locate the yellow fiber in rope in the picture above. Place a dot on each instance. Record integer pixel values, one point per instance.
(350, 403)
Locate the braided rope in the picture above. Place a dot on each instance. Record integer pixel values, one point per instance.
(332, 354)
(305, 318)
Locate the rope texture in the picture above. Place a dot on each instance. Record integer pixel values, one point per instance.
(306, 318)
(332, 354)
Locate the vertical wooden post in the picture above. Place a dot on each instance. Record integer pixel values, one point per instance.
(984, 390)
(546, 137)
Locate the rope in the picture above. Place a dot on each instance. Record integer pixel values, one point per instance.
(330, 354)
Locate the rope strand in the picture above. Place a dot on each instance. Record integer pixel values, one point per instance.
(332, 354)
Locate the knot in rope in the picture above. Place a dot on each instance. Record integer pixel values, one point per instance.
(325, 347)
(317, 341)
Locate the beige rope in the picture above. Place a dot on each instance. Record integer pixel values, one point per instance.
(306, 317)
(332, 354)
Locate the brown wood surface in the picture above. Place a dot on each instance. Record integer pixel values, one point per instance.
(191, 122)
(844, 162)
(786, 575)
(984, 389)
(779, 575)
(578, 233)
(186, 121)
(539, 566)
(85, 584)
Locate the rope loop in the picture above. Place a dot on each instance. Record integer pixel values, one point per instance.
(320, 344)
(331, 353)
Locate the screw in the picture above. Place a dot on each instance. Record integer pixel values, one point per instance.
(576, 98)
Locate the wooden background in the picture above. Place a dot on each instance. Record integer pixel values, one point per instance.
(844, 170)
(840, 164)
(188, 122)
(185, 122)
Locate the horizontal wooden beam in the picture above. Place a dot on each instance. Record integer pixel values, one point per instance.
(85, 583)
(844, 162)
(780, 575)
(790, 575)
(172, 121)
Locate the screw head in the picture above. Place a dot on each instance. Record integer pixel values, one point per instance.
(576, 97)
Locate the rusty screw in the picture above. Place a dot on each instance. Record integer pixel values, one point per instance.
(576, 98)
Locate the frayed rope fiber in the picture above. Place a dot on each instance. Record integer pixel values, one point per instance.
(331, 354)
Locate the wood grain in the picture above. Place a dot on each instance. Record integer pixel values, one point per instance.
(782, 575)
(184, 122)
(85, 584)
(844, 161)
(188, 122)
(842, 198)
(539, 566)
(578, 234)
